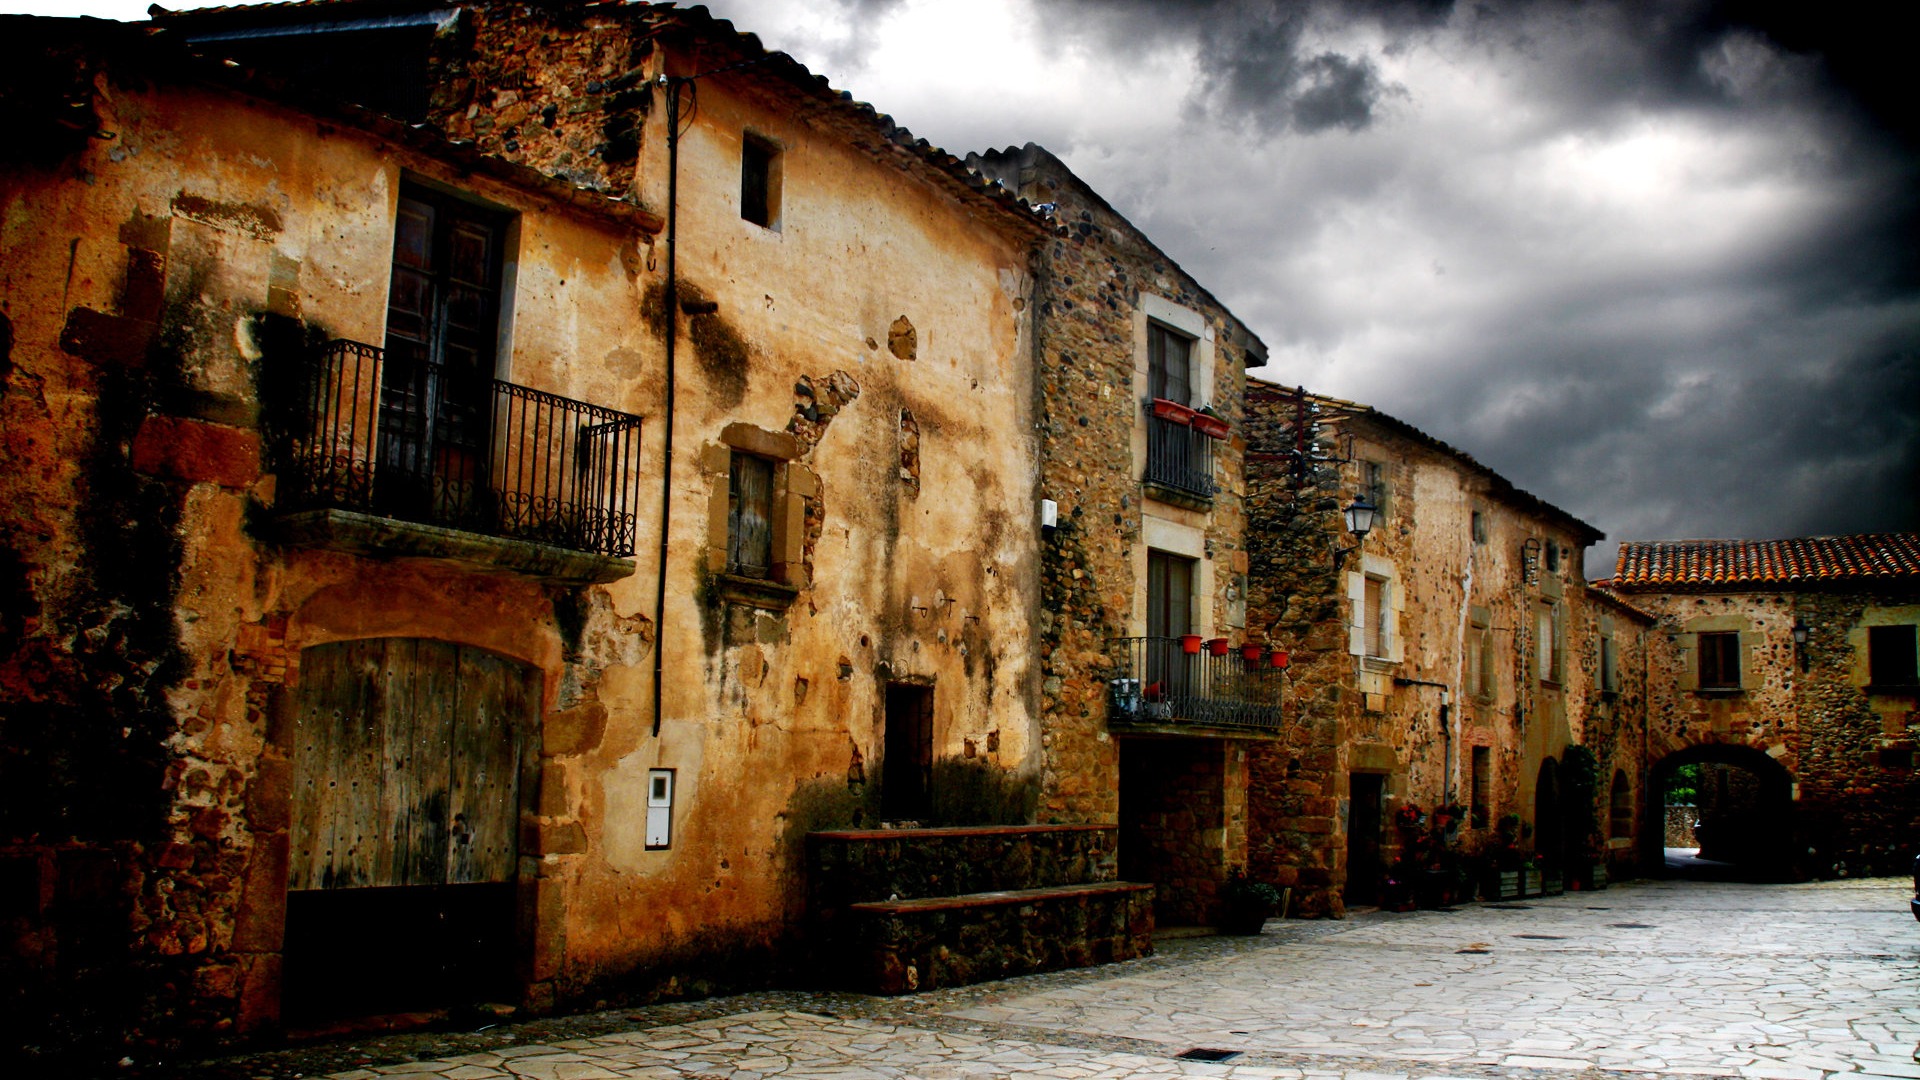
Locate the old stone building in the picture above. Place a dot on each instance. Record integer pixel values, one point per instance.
(1445, 660)
(1147, 701)
(474, 564)
(1789, 665)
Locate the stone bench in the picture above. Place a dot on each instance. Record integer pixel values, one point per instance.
(928, 942)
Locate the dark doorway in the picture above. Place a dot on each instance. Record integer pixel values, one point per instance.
(1366, 817)
(411, 772)
(1172, 796)
(906, 754)
(1549, 837)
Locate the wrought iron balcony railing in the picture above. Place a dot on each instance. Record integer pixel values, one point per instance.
(385, 432)
(1161, 683)
(1179, 457)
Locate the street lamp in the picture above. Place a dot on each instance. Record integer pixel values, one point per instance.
(1359, 514)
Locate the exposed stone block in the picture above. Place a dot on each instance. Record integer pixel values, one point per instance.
(575, 730)
(197, 451)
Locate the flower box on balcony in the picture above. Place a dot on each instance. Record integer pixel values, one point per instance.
(1211, 426)
(1173, 411)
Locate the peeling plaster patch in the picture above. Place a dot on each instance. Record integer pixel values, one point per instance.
(258, 222)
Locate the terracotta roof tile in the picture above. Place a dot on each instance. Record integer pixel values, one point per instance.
(1645, 564)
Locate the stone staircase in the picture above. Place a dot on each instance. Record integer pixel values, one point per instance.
(898, 910)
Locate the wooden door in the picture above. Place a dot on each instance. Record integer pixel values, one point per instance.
(411, 771)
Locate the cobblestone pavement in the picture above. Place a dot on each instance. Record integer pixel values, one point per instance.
(1802, 982)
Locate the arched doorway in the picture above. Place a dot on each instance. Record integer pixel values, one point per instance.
(1720, 811)
(1549, 834)
(413, 768)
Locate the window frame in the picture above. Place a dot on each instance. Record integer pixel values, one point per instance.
(760, 180)
(739, 488)
(1884, 672)
(1377, 598)
(1721, 673)
(1161, 384)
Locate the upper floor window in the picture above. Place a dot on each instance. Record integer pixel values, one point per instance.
(1169, 364)
(760, 181)
(1374, 477)
(1719, 660)
(1551, 637)
(750, 516)
(1479, 526)
(1376, 616)
(1480, 655)
(1891, 656)
(1609, 659)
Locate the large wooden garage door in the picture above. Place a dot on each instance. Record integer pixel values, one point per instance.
(410, 770)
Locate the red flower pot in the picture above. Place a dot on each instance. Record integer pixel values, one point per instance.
(1190, 644)
(1172, 410)
(1251, 653)
(1217, 646)
(1280, 658)
(1211, 426)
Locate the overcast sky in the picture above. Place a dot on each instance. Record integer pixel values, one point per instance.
(1655, 262)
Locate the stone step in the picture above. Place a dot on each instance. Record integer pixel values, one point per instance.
(899, 946)
(851, 866)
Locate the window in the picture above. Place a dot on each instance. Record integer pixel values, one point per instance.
(1169, 364)
(1374, 473)
(1890, 656)
(1620, 807)
(750, 516)
(443, 325)
(1169, 617)
(1550, 634)
(760, 181)
(1553, 556)
(1609, 659)
(1376, 616)
(1479, 672)
(1720, 660)
(1479, 526)
(1482, 791)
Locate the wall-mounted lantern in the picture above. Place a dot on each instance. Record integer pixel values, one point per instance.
(1800, 631)
(1359, 514)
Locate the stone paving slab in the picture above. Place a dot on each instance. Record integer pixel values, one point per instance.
(1651, 980)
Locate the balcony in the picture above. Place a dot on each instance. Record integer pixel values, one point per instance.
(363, 436)
(1160, 686)
(1179, 462)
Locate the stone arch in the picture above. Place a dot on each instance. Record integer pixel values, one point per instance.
(1549, 828)
(1760, 836)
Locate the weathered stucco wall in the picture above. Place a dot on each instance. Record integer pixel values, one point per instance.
(153, 279)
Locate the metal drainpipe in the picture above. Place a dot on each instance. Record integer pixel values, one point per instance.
(672, 302)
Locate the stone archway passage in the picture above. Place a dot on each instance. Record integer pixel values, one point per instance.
(411, 764)
(1749, 829)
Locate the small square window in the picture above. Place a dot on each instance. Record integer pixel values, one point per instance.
(1479, 527)
(760, 181)
(1376, 617)
(1720, 660)
(1891, 656)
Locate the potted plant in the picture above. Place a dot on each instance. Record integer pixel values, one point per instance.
(1531, 883)
(1209, 423)
(1172, 411)
(1281, 658)
(1190, 644)
(1246, 904)
(1251, 653)
(1217, 646)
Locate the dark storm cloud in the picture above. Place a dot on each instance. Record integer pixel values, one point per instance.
(1655, 260)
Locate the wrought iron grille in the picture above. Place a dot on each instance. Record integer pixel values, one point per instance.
(1160, 682)
(387, 432)
(1179, 457)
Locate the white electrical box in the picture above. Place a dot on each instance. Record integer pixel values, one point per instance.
(659, 808)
